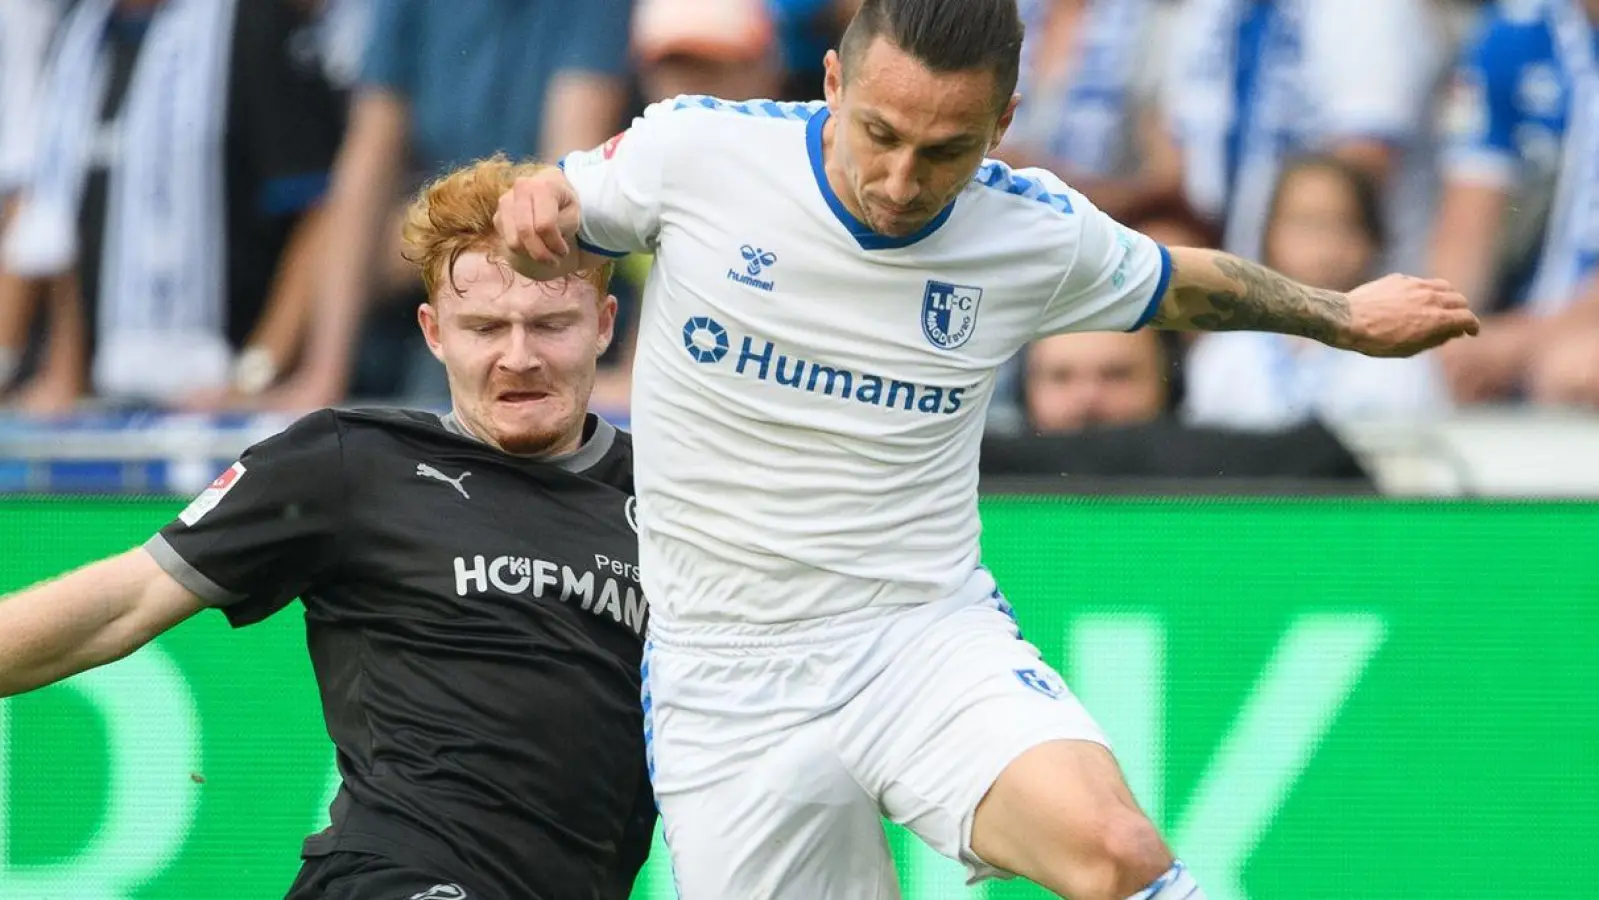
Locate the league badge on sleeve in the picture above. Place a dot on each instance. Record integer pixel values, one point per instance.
(212, 495)
(949, 313)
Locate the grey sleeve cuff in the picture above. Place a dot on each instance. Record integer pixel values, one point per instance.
(188, 576)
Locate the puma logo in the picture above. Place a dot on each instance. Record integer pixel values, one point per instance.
(441, 891)
(427, 471)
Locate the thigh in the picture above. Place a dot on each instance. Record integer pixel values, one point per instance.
(760, 806)
(933, 733)
(363, 876)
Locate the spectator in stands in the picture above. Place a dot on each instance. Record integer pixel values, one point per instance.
(343, 28)
(1258, 81)
(805, 31)
(1565, 371)
(443, 82)
(1077, 381)
(723, 48)
(1081, 367)
(1089, 101)
(25, 35)
(178, 175)
(25, 32)
(1518, 228)
(1324, 228)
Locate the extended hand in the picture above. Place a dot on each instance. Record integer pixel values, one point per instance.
(538, 219)
(1402, 316)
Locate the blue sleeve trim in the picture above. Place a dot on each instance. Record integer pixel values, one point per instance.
(1160, 289)
(595, 249)
(292, 193)
(598, 250)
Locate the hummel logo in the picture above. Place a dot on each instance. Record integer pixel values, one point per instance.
(442, 892)
(757, 258)
(427, 471)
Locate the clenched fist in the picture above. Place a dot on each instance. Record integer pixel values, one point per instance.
(1401, 316)
(538, 219)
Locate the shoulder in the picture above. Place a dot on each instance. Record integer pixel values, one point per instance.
(710, 116)
(1033, 196)
(360, 422)
(687, 105)
(318, 429)
(615, 467)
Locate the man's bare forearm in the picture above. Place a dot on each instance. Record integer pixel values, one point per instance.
(1215, 291)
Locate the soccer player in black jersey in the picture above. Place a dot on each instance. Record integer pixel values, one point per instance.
(470, 585)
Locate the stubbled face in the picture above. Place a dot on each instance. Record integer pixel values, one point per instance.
(905, 140)
(1076, 381)
(520, 354)
(1316, 235)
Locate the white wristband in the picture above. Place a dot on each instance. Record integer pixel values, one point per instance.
(9, 361)
(254, 371)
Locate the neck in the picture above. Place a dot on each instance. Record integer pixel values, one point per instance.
(1593, 11)
(835, 172)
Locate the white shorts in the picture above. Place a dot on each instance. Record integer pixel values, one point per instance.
(765, 796)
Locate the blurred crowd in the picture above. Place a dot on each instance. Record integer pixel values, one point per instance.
(202, 196)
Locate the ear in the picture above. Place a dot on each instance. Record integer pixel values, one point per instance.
(833, 80)
(1005, 118)
(607, 325)
(427, 316)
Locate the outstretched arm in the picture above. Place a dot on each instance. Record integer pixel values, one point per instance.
(93, 616)
(1394, 316)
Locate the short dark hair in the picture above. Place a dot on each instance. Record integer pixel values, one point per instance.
(944, 35)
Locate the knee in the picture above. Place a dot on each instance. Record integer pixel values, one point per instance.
(1120, 855)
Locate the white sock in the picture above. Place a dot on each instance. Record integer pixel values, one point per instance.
(1174, 884)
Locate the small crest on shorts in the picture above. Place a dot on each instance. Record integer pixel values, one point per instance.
(441, 892)
(949, 313)
(1046, 683)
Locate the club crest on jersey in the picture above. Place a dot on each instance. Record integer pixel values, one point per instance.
(949, 313)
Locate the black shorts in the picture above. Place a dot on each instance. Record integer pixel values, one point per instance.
(365, 876)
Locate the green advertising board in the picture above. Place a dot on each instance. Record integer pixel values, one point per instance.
(1314, 699)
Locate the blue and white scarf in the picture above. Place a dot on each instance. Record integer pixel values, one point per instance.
(1571, 248)
(1084, 124)
(163, 287)
(1205, 106)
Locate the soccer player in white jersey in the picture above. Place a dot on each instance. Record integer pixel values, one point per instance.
(834, 286)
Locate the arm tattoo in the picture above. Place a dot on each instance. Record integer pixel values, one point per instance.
(1257, 300)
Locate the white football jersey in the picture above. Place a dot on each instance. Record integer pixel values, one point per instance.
(808, 395)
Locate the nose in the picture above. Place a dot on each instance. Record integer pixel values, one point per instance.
(520, 354)
(902, 186)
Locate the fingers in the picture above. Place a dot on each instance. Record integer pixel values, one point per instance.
(547, 204)
(528, 220)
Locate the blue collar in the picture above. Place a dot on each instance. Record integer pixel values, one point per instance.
(860, 231)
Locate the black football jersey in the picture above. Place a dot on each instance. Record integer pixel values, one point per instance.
(475, 622)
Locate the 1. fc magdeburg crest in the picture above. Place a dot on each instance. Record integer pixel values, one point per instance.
(949, 313)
